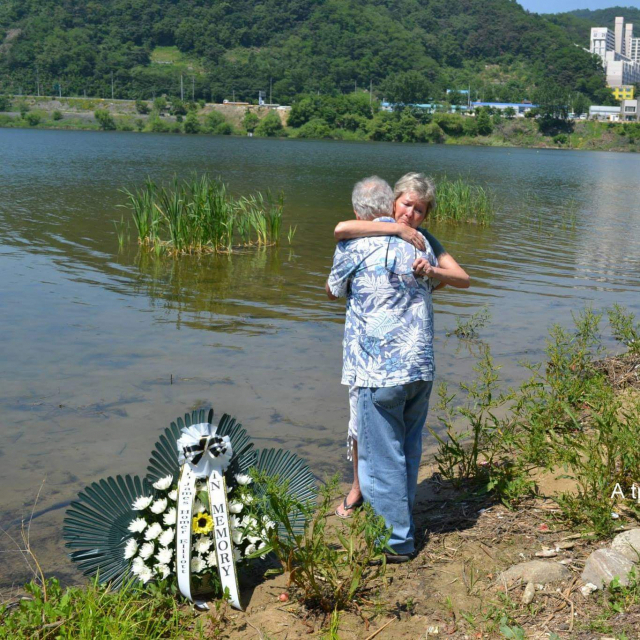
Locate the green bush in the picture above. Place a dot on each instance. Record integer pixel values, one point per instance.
(156, 125)
(33, 119)
(561, 138)
(217, 124)
(142, 107)
(192, 124)
(470, 127)
(23, 107)
(485, 126)
(451, 123)
(178, 108)
(270, 126)
(430, 133)
(250, 121)
(105, 120)
(315, 128)
(160, 104)
(56, 115)
(5, 103)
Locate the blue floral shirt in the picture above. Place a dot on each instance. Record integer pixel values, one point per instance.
(388, 334)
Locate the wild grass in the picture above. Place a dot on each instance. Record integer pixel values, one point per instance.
(460, 201)
(199, 215)
(95, 611)
(328, 574)
(568, 419)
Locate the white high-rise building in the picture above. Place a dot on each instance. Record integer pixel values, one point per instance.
(619, 51)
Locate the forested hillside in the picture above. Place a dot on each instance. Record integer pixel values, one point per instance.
(407, 50)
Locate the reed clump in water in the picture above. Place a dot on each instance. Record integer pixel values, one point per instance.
(199, 215)
(460, 201)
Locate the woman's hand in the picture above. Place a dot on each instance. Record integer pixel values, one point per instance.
(422, 268)
(411, 236)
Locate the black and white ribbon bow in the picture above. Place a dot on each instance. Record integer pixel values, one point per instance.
(215, 445)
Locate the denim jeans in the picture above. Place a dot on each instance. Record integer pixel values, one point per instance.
(390, 423)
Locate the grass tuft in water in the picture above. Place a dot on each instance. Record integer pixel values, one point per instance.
(460, 201)
(199, 215)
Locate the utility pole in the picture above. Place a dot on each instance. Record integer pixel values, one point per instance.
(37, 81)
(181, 89)
(270, 91)
(60, 89)
(112, 94)
(233, 93)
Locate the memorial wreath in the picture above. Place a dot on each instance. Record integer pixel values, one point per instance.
(198, 512)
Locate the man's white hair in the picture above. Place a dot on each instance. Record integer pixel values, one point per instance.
(372, 198)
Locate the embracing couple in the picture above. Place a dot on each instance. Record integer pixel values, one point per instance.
(388, 267)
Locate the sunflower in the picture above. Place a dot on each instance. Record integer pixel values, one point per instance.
(202, 523)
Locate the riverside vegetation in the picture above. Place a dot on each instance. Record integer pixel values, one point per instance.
(350, 117)
(200, 215)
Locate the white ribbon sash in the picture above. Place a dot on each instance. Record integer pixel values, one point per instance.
(202, 454)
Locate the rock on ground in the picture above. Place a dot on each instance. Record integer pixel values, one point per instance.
(537, 571)
(628, 544)
(605, 564)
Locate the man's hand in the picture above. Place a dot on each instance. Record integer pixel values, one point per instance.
(328, 290)
(422, 268)
(412, 236)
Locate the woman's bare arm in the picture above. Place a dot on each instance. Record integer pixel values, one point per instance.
(448, 271)
(350, 229)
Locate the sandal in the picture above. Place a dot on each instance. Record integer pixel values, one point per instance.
(348, 507)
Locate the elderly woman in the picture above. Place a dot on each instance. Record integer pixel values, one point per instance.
(414, 200)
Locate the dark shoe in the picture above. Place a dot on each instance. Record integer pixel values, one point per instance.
(395, 558)
(348, 507)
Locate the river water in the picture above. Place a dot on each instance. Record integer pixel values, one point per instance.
(103, 347)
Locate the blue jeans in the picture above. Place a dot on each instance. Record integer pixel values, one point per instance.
(390, 423)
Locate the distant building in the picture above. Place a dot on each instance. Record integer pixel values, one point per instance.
(625, 92)
(519, 107)
(619, 52)
(609, 114)
(629, 110)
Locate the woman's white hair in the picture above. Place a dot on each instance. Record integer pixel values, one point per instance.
(372, 197)
(419, 184)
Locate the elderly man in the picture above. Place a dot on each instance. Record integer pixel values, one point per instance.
(388, 356)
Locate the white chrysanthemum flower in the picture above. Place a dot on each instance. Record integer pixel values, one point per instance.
(131, 549)
(198, 507)
(142, 503)
(138, 525)
(167, 537)
(137, 565)
(237, 537)
(203, 545)
(248, 522)
(169, 517)
(153, 531)
(163, 484)
(243, 479)
(268, 524)
(164, 570)
(254, 539)
(234, 522)
(211, 559)
(146, 550)
(248, 498)
(237, 556)
(145, 574)
(164, 556)
(235, 507)
(197, 565)
(250, 549)
(159, 506)
(262, 545)
(173, 495)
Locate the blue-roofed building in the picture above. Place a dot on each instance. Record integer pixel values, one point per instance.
(519, 107)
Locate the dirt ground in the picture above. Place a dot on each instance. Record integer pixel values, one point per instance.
(452, 588)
